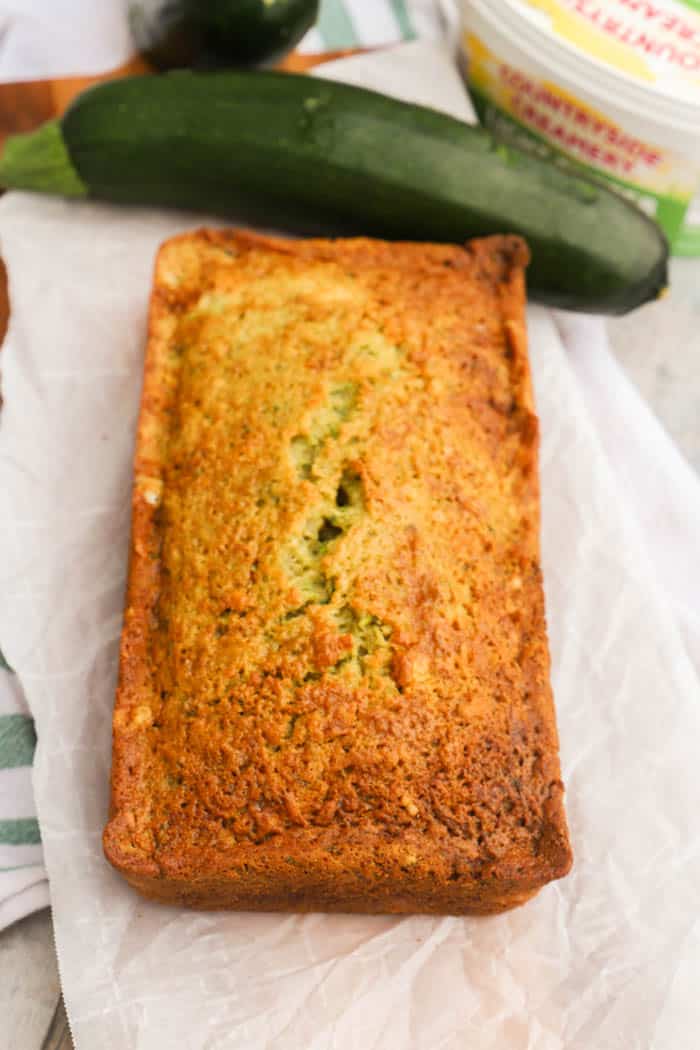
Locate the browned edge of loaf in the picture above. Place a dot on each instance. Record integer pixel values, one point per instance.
(211, 879)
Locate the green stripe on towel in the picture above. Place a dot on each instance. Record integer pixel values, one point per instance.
(335, 26)
(403, 18)
(17, 741)
(19, 832)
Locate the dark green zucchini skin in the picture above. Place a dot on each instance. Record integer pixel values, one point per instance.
(299, 152)
(251, 31)
(211, 33)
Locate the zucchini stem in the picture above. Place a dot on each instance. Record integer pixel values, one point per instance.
(39, 160)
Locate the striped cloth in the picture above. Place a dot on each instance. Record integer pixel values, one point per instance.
(23, 884)
(372, 23)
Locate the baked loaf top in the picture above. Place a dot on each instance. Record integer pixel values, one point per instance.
(333, 683)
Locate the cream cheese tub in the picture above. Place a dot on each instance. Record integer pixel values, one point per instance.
(612, 85)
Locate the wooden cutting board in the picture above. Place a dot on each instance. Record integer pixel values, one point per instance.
(24, 106)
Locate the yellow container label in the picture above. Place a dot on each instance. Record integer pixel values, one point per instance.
(539, 115)
(576, 128)
(655, 42)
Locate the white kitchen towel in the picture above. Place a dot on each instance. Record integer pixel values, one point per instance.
(40, 39)
(606, 958)
(23, 885)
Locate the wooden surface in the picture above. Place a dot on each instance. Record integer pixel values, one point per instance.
(26, 105)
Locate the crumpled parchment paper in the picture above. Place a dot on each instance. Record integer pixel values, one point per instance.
(607, 959)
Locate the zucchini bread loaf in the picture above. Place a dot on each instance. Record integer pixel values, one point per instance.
(333, 689)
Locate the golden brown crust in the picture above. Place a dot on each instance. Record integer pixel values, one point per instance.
(334, 675)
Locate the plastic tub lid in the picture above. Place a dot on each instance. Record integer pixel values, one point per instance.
(600, 45)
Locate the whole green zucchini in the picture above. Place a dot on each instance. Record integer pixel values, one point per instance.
(301, 152)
